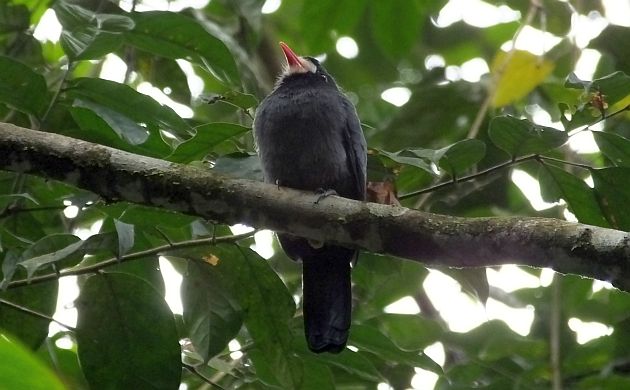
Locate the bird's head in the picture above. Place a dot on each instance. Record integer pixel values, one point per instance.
(304, 69)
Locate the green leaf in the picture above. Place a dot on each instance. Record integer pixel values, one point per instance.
(163, 73)
(42, 298)
(95, 129)
(613, 195)
(415, 158)
(460, 156)
(22, 88)
(606, 43)
(382, 280)
(317, 376)
(395, 25)
(212, 314)
(558, 16)
(140, 108)
(615, 87)
(126, 335)
(88, 35)
(24, 371)
(472, 280)
(64, 360)
(325, 15)
(580, 116)
(9, 266)
(125, 234)
(126, 129)
(207, 137)
(52, 249)
(409, 332)
(5, 200)
(615, 147)
(370, 339)
(613, 90)
(608, 382)
(520, 137)
(351, 362)
(267, 308)
(241, 165)
(556, 183)
(173, 35)
(13, 18)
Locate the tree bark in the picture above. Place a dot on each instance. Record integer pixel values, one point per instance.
(432, 239)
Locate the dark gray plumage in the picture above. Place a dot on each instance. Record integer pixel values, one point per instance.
(309, 137)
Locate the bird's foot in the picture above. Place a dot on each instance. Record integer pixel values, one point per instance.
(322, 193)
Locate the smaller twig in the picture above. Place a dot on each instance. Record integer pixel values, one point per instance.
(554, 334)
(514, 161)
(492, 89)
(448, 183)
(600, 119)
(194, 371)
(94, 268)
(55, 96)
(34, 313)
(557, 160)
(249, 114)
(13, 209)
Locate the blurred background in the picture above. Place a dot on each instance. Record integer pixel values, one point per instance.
(427, 78)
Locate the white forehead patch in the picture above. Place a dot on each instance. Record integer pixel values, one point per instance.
(304, 67)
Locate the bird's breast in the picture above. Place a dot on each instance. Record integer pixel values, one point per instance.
(300, 141)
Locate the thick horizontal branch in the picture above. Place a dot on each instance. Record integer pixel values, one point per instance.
(430, 238)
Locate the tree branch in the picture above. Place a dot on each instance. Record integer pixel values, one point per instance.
(430, 238)
(33, 313)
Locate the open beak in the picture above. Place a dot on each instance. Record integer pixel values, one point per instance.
(296, 63)
(292, 59)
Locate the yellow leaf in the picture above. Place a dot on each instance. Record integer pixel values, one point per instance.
(522, 73)
(211, 259)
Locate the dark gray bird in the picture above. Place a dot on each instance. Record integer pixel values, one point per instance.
(309, 138)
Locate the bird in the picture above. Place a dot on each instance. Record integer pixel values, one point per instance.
(309, 137)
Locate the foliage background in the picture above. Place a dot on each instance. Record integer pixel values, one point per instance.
(127, 336)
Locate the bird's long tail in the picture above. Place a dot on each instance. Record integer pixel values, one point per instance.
(327, 299)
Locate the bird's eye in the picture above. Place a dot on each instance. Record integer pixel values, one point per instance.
(323, 76)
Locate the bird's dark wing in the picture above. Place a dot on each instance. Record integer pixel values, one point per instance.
(356, 149)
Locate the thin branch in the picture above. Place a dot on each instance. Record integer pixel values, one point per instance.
(194, 371)
(55, 96)
(513, 162)
(469, 177)
(13, 209)
(492, 89)
(129, 257)
(600, 119)
(34, 313)
(554, 334)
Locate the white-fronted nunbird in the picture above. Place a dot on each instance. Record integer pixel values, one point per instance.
(309, 137)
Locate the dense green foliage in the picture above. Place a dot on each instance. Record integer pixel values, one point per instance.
(127, 337)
